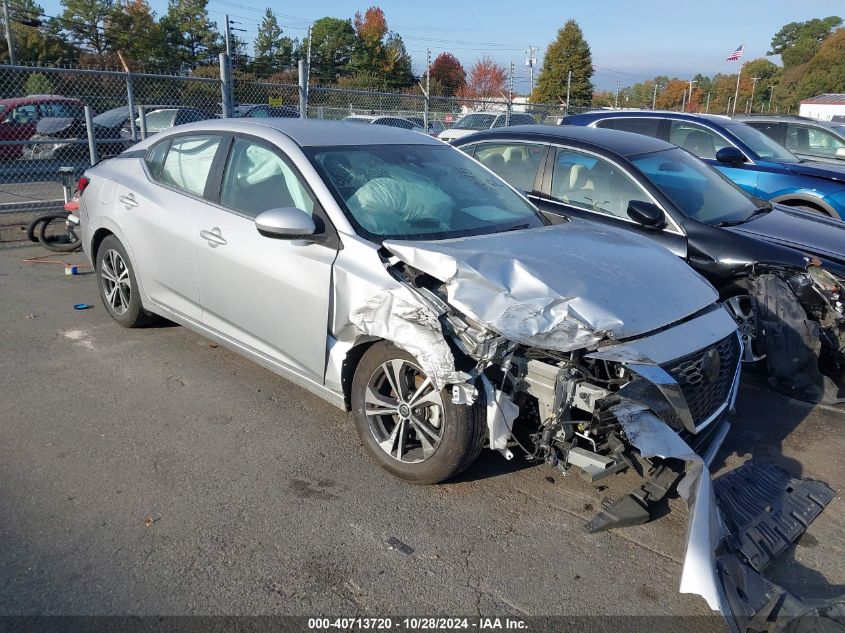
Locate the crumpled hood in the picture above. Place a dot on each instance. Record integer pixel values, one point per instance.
(562, 287)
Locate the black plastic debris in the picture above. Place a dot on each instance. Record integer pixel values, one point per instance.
(399, 546)
(766, 510)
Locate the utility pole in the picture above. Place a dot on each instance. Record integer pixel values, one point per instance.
(530, 61)
(654, 96)
(728, 111)
(707, 107)
(771, 96)
(616, 100)
(427, 88)
(684, 101)
(689, 94)
(568, 86)
(307, 67)
(510, 98)
(754, 81)
(6, 19)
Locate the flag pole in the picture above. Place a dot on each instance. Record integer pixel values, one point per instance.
(736, 94)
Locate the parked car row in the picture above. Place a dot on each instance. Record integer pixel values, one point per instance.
(406, 282)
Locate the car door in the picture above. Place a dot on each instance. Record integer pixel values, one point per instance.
(515, 162)
(586, 185)
(704, 142)
(268, 294)
(160, 209)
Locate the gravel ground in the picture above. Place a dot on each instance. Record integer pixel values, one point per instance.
(151, 472)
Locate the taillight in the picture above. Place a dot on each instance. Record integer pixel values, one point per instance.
(81, 184)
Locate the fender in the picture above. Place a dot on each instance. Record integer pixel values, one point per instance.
(807, 197)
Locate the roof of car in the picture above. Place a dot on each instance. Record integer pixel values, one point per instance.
(318, 132)
(15, 101)
(623, 143)
(721, 119)
(774, 118)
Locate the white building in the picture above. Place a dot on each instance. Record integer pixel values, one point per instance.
(823, 107)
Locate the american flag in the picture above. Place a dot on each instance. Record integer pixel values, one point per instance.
(737, 54)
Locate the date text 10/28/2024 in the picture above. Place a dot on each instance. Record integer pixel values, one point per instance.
(418, 624)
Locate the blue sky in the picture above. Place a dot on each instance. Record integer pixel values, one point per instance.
(630, 41)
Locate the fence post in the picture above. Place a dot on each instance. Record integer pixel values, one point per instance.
(130, 100)
(303, 90)
(142, 117)
(226, 85)
(92, 145)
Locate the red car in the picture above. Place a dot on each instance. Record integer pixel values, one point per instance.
(19, 115)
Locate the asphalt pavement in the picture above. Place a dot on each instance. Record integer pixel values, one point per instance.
(150, 472)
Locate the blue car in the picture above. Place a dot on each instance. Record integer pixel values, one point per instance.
(745, 155)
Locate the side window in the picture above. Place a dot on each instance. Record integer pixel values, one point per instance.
(592, 183)
(499, 121)
(823, 143)
(797, 139)
(257, 179)
(515, 163)
(62, 109)
(258, 113)
(696, 139)
(24, 114)
(645, 126)
(188, 162)
(155, 158)
(770, 129)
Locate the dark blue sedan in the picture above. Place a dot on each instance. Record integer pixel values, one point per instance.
(745, 155)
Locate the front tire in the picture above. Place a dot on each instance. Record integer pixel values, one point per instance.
(118, 288)
(407, 426)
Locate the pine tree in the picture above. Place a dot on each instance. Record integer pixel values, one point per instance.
(569, 52)
(273, 50)
(191, 34)
(84, 22)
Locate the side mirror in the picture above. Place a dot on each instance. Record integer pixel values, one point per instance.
(646, 214)
(288, 223)
(731, 156)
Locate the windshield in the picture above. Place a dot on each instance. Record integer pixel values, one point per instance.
(158, 119)
(697, 189)
(475, 122)
(761, 144)
(420, 192)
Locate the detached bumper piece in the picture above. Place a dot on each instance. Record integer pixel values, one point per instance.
(766, 510)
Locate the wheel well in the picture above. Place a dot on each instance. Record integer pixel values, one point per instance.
(98, 238)
(350, 364)
(807, 204)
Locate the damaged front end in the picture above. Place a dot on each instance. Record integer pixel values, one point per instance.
(576, 385)
(801, 325)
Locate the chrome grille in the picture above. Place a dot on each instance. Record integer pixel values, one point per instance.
(704, 397)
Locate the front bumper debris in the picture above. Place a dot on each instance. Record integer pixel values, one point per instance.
(738, 523)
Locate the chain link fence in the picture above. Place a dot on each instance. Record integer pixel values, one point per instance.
(55, 122)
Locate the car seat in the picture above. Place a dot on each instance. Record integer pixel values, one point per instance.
(699, 144)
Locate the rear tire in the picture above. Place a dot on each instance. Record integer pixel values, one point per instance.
(417, 433)
(118, 288)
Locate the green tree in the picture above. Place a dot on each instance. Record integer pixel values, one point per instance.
(569, 52)
(797, 42)
(332, 45)
(132, 29)
(37, 40)
(825, 72)
(274, 51)
(84, 22)
(449, 73)
(38, 84)
(191, 34)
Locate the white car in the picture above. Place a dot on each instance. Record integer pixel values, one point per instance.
(391, 121)
(478, 121)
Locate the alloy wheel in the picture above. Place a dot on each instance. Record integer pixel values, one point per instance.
(404, 411)
(117, 287)
(743, 312)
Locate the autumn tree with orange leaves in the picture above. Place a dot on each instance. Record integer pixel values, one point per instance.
(486, 79)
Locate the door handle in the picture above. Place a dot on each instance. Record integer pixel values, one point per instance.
(128, 200)
(214, 237)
